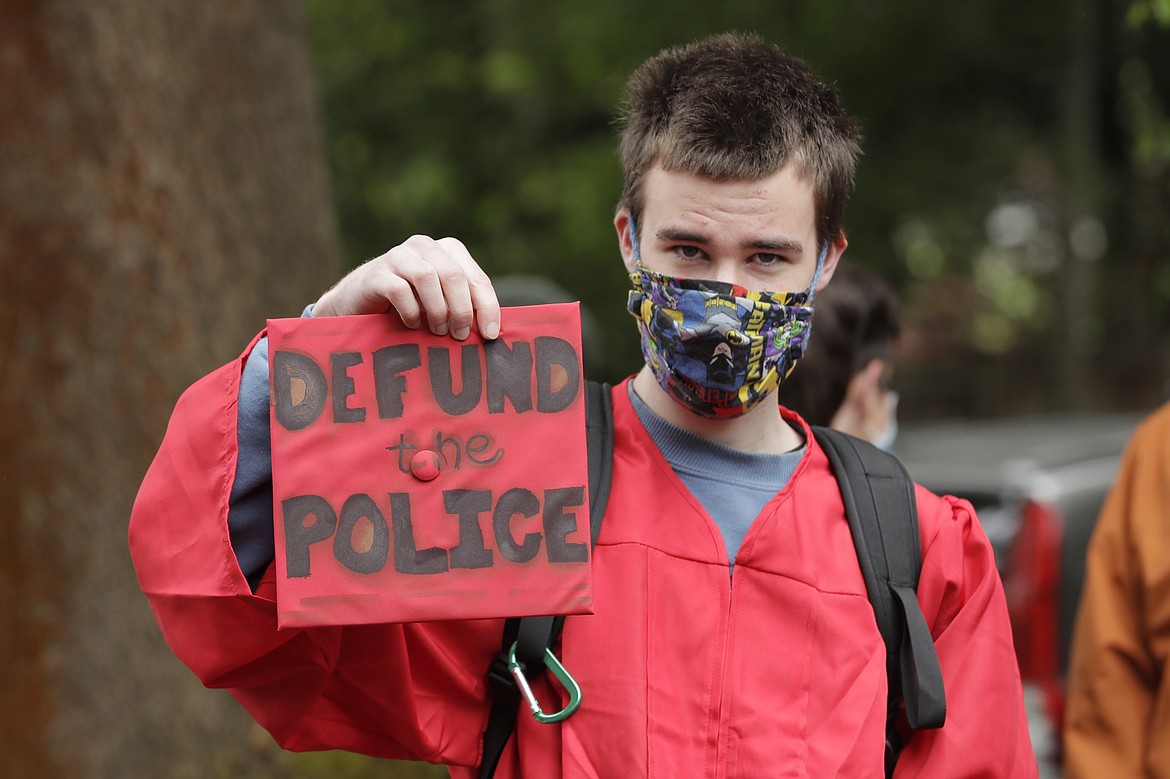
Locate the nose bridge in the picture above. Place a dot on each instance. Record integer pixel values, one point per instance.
(729, 269)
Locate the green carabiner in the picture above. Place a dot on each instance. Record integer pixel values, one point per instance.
(558, 670)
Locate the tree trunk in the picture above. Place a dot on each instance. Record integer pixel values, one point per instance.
(162, 191)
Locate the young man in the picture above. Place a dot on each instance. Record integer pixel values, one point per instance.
(732, 634)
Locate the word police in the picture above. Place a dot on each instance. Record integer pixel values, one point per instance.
(362, 535)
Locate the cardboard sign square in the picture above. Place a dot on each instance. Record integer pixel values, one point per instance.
(420, 478)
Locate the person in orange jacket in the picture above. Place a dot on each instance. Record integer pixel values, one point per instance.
(1118, 712)
(732, 635)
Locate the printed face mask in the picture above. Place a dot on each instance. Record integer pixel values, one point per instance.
(717, 348)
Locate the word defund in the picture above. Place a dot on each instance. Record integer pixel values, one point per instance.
(490, 373)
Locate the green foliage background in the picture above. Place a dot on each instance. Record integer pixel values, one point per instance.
(494, 121)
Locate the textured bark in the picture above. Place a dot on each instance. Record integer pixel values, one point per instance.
(162, 190)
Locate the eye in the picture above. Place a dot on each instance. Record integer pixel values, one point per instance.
(685, 252)
(769, 260)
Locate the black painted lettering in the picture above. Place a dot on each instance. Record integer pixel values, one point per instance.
(515, 501)
(408, 558)
(299, 389)
(558, 374)
(443, 444)
(372, 559)
(402, 448)
(343, 387)
(509, 375)
(471, 552)
(558, 524)
(389, 383)
(298, 536)
(442, 382)
(478, 444)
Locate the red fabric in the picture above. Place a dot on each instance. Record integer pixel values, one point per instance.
(686, 671)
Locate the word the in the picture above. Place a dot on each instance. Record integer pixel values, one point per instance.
(476, 448)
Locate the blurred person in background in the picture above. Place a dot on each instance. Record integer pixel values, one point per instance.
(843, 380)
(1118, 718)
(520, 289)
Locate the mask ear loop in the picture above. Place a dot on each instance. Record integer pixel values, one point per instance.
(634, 241)
(812, 288)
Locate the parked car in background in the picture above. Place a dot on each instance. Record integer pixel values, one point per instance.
(1037, 484)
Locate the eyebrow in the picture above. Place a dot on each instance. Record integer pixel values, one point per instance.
(686, 236)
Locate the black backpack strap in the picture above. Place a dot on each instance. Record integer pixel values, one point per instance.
(883, 516)
(599, 450)
(533, 635)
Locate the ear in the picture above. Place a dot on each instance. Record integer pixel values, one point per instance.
(871, 375)
(860, 410)
(621, 222)
(832, 257)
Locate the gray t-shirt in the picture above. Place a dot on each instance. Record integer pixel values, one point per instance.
(732, 485)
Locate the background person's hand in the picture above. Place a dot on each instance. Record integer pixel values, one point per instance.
(436, 283)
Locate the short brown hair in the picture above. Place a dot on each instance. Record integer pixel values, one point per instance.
(734, 107)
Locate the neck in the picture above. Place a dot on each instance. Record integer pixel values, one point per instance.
(761, 430)
(849, 420)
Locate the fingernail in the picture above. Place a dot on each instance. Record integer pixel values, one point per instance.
(440, 329)
(462, 333)
(491, 330)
